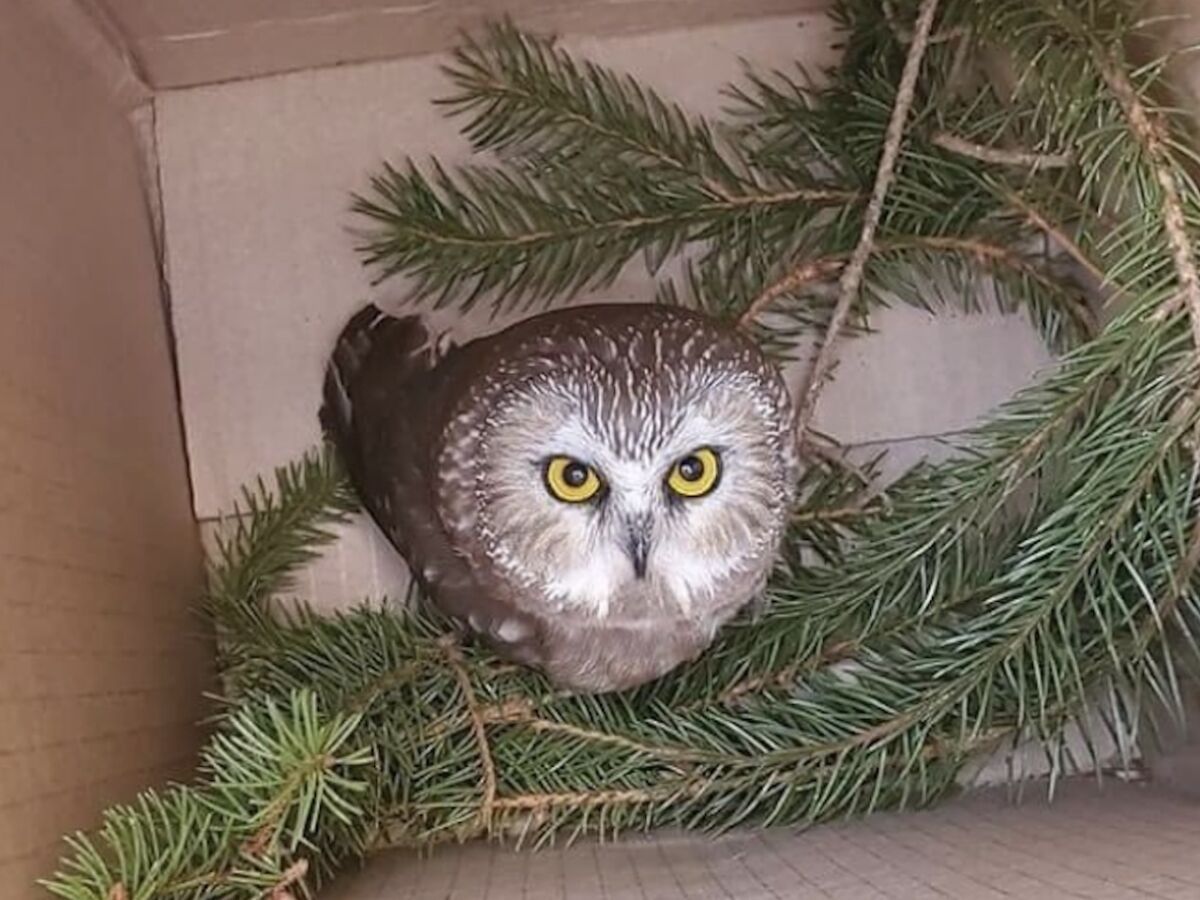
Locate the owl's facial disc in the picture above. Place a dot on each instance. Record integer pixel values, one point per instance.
(605, 499)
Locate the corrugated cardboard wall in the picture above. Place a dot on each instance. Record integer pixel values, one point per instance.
(102, 663)
(185, 42)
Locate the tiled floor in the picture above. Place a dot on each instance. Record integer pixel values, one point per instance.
(1124, 841)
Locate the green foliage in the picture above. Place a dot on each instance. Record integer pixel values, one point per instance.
(274, 531)
(976, 603)
(524, 97)
(597, 169)
(281, 788)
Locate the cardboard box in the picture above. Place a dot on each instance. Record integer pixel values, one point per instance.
(174, 264)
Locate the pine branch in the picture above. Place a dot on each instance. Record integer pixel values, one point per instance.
(1152, 136)
(527, 239)
(795, 280)
(1058, 234)
(853, 273)
(525, 96)
(478, 730)
(278, 782)
(276, 530)
(1066, 304)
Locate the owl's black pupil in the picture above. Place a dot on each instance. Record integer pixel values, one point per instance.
(691, 468)
(575, 474)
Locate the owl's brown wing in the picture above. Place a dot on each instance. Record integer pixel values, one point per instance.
(386, 401)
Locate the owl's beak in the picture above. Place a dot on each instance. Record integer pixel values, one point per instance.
(637, 544)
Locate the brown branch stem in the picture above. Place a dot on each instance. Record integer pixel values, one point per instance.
(673, 754)
(690, 787)
(831, 455)
(737, 202)
(1000, 255)
(294, 873)
(454, 657)
(832, 514)
(904, 36)
(597, 798)
(853, 273)
(798, 277)
(983, 251)
(1150, 132)
(273, 812)
(1071, 247)
(999, 156)
(361, 700)
(780, 679)
(520, 712)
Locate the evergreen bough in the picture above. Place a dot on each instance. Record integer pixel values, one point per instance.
(1026, 158)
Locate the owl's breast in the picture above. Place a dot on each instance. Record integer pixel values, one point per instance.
(607, 655)
(643, 635)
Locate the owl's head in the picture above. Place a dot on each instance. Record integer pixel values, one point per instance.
(646, 460)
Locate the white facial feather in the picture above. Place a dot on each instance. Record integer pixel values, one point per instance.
(574, 556)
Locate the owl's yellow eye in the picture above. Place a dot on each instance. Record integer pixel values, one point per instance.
(571, 481)
(696, 474)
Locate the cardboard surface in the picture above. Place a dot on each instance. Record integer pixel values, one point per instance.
(182, 42)
(1123, 841)
(102, 664)
(102, 661)
(257, 177)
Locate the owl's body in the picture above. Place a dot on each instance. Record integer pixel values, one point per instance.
(594, 490)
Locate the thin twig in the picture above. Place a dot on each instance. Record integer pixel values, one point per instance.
(957, 80)
(983, 153)
(597, 798)
(826, 196)
(272, 815)
(520, 712)
(1149, 132)
(449, 645)
(852, 276)
(831, 456)
(778, 679)
(815, 270)
(1060, 237)
(903, 35)
(686, 788)
(514, 709)
(802, 275)
(294, 873)
(995, 253)
(674, 754)
(361, 700)
(832, 514)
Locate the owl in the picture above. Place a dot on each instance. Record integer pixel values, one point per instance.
(594, 491)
